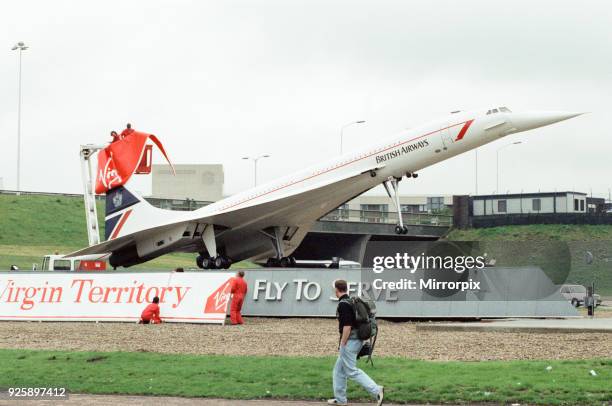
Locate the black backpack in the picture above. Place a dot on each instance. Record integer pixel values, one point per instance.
(365, 324)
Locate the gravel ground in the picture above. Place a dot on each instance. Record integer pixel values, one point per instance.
(299, 337)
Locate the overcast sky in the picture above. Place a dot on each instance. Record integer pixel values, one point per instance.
(220, 80)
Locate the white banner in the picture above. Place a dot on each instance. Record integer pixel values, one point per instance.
(113, 296)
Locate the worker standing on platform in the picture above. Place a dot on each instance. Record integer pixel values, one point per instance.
(239, 290)
(116, 137)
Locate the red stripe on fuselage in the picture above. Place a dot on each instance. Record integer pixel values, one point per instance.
(121, 223)
(464, 130)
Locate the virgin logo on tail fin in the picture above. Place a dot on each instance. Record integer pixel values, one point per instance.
(118, 162)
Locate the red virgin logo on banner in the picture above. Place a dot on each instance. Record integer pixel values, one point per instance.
(104, 296)
(218, 300)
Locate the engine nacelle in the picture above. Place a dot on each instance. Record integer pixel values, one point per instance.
(160, 240)
(125, 257)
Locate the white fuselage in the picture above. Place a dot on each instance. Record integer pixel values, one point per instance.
(293, 203)
(407, 152)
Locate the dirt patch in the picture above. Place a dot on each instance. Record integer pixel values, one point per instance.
(96, 359)
(299, 337)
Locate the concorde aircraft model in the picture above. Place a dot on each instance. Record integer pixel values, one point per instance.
(270, 221)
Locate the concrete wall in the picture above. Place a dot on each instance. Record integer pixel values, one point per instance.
(199, 182)
(504, 292)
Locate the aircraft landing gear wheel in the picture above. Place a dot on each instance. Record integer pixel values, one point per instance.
(293, 262)
(208, 263)
(228, 263)
(272, 263)
(219, 262)
(199, 262)
(222, 262)
(401, 229)
(285, 262)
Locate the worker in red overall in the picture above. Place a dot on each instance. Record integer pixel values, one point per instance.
(239, 290)
(116, 137)
(151, 313)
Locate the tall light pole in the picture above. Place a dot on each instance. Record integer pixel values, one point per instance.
(20, 46)
(499, 149)
(255, 159)
(342, 132)
(476, 170)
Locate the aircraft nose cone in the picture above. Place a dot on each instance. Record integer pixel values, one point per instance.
(534, 119)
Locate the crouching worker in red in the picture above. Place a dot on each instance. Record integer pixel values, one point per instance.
(151, 313)
(239, 290)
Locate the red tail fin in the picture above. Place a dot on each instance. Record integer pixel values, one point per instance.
(118, 161)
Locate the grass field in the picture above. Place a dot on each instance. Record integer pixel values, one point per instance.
(33, 226)
(538, 232)
(407, 381)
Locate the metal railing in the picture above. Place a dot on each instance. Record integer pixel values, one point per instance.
(29, 193)
(177, 204)
(385, 217)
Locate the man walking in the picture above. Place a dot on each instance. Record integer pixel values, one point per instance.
(238, 290)
(350, 345)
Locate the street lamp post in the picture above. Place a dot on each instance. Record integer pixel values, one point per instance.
(342, 132)
(476, 170)
(255, 159)
(20, 46)
(497, 164)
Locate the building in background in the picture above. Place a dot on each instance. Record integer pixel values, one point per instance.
(380, 209)
(596, 205)
(195, 182)
(529, 208)
(408, 203)
(530, 203)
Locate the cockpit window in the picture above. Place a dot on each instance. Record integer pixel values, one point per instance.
(501, 109)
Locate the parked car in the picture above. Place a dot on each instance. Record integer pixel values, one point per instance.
(576, 295)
